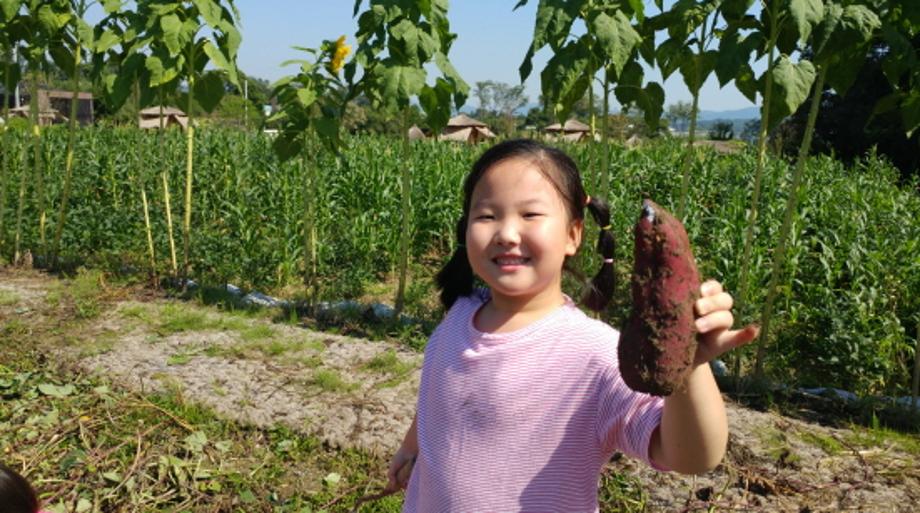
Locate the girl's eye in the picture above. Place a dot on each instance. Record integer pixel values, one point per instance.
(485, 217)
(531, 215)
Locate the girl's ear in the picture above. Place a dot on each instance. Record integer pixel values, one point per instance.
(576, 227)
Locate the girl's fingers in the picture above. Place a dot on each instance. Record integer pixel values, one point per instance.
(709, 304)
(710, 288)
(717, 320)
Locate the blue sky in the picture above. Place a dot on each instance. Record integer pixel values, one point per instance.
(491, 43)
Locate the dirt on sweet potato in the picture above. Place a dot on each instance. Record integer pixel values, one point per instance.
(658, 343)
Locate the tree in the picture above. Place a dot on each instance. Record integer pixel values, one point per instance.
(679, 114)
(722, 130)
(499, 99)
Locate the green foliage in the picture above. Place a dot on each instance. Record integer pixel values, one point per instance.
(413, 34)
(722, 131)
(846, 307)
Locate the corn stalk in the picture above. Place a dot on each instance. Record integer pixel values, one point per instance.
(405, 181)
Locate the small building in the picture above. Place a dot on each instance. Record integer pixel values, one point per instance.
(45, 117)
(57, 100)
(634, 141)
(572, 131)
(462, 128)
(149, 118)
(416, 133)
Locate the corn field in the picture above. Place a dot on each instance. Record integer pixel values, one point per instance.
(846, 315)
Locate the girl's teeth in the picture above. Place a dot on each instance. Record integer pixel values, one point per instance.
(510, 261)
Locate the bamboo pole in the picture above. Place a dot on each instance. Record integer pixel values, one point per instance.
(189, 161)
(164, 175)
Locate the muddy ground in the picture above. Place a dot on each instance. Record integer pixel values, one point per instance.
(354, 392)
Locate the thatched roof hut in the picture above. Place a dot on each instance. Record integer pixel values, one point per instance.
(572, 131)
(415, 133)
(149, 118)
(48, 116)
(634, 141)
(463, 128)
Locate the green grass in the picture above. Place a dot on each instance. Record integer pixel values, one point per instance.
(389, 363)
(329, 380)
(827, 443)
(85, 290)
(257, 332)
(881, 436)
(9, 298)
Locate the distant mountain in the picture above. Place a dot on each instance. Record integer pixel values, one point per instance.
(746, 113)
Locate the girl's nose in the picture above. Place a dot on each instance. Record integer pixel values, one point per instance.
(508, 234)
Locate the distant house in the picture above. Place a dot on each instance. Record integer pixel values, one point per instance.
(463, 128)
(54, 103)
(572, 131)
(149, 118)
(415, 133)
(45, 117)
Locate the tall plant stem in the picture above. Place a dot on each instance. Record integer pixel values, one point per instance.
(17, 238)
(758, 178)
(915, 384)
(71, 143)
(691, 136)
(605, 141)
(37, 164)
(404, 236)
(167, 200)
(780, 253)
(189, 160)
(309, 223)
(592, 118)
(688, 158)
(7, 150)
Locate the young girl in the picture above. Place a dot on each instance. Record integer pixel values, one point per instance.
(16, 494)
(521, 402)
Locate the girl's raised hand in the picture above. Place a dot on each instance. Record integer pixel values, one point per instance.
(714, 320)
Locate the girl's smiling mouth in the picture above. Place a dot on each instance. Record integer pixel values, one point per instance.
(508, 262)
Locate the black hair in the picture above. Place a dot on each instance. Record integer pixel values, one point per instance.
(456, 278)
(16, 494)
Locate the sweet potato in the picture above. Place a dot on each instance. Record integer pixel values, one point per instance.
(658, 344)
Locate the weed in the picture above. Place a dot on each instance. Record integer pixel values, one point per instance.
(622, 492)
(85, 290)
(330, 381)
(9, 298)
(257, 332)
(826, 443)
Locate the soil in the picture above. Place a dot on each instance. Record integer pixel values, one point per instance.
(356, 393)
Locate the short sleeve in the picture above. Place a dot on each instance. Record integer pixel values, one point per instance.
(626, 419)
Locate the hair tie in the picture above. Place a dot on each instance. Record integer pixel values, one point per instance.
(587, 200)
(605, 228)
(608, 260)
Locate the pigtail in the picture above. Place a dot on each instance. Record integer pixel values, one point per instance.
(455, 279)
(602, 286)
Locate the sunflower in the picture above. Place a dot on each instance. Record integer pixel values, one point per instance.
(338, 57)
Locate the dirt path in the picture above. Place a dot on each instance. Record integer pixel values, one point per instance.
(358, 393)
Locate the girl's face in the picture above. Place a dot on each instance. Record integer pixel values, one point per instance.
(519, 233)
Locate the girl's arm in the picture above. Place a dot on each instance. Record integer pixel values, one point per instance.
(694, 429)
(405, 455)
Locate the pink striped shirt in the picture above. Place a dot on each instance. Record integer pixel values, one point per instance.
(525, 420)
